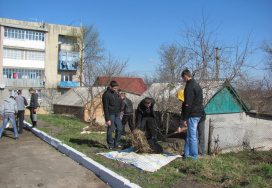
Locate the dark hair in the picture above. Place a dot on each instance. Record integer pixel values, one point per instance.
(31, 89)
(113, 83)
(147, 100)
(11, 97)
(187, 73)
(19, 92)
(119, 90)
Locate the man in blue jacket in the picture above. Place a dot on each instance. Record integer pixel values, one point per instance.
(193, 111)
(112, 104)
(8, 110)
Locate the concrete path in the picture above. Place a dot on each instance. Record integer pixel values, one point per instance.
(31, 162)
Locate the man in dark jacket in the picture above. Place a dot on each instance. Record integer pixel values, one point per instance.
(200, 126)
(112, 110)
(21, 103)
(127, 109)
(145, 117)
(193, 111)
(33, 107)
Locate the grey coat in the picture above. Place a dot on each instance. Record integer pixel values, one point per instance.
(9, 107)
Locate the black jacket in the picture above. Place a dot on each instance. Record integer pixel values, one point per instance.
(143, 112)
(127, 106)
(34, 101)
(111, 103)
(193, 99)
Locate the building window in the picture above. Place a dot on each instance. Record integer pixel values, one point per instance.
(34, 55)
(23, 54)
(13, 93)
(66, 77)
(69, 56)
(22, 74)
(23, 34)
(12, 54)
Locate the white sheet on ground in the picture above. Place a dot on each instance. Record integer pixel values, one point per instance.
(146, 162)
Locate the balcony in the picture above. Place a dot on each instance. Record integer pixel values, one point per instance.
(23, 82)
(68, 61)
(68, 84)
(68, 65)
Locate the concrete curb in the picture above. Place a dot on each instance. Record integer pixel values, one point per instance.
(108, 176)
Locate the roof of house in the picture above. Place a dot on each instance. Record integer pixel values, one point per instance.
(220, 90)
(78, 96)
(134, 85)
(225, 100)
(166, 89)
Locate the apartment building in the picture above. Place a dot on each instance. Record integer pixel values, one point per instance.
(38, 55)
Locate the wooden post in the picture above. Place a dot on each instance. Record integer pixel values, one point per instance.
(217, 64)
(167, 123)
(210, 137)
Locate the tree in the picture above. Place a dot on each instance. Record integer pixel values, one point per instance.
(201, 43)
(268, 49)
(93, 63)
(205, 56)
(90, 48)
(172, 61)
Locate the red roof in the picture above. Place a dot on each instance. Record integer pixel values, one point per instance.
(135, 85)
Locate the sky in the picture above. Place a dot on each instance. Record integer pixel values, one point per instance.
(135, 29)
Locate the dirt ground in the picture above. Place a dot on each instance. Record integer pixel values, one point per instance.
(30, 162)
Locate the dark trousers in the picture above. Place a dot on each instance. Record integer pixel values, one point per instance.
(34, 123)
(201, 136)
(21, 117)
(129, 119)
(148, 126)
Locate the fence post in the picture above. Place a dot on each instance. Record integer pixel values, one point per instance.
(210, 137)
(167, 123)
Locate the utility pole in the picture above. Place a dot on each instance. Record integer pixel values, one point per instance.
(217, 63)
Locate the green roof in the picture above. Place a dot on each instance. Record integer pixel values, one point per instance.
(225, 100)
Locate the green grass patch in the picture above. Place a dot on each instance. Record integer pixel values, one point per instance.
(242, 169)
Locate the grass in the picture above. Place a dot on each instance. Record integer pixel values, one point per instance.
(245, 168)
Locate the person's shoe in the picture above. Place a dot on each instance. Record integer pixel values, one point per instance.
(119, 147)
(34, 126)
(16, 138)
(20, 132)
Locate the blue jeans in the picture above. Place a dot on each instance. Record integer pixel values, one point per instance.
(11, 118)
(115, 120)
(190, 148)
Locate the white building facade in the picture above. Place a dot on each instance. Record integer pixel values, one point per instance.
(37, 55)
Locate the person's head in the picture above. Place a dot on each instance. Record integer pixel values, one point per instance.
(147, 102)
(186, 75)
(11, 97)
(19, 92)
(113, 85)
(180, 95)
(123, 95)
(31, 90)
(119, 91)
